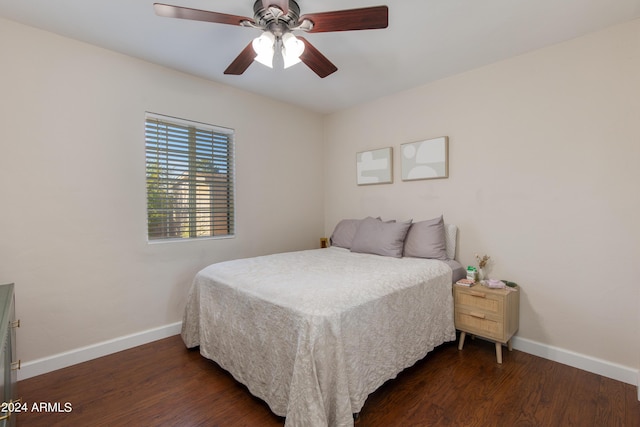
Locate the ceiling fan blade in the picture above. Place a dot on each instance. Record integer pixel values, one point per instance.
(283, 5)
(367, 18)
(316, 60)
(198, 15)
(242, 61)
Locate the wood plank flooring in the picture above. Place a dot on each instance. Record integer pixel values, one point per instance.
(164, 384)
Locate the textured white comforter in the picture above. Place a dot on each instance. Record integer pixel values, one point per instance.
(313, 333)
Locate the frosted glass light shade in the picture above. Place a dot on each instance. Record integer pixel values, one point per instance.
(263, 46)
(292, 48)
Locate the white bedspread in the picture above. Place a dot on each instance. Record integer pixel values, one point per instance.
(313, 333)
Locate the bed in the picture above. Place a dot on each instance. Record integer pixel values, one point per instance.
(313, 333)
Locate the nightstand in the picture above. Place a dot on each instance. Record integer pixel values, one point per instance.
(489, 313)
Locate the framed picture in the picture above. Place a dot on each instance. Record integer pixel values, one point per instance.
(428, 159)
(375, 166)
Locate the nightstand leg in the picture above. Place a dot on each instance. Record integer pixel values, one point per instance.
(510, 345)
(461, 344)
(499, 352)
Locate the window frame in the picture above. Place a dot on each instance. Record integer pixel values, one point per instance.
(230, 223)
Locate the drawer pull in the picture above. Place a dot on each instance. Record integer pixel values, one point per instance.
(478, 294)
(478, 315)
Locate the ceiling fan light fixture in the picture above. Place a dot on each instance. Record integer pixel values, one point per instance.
(277, 19)
(264, 48)
(292, 48)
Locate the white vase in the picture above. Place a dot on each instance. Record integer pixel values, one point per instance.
(480, 274)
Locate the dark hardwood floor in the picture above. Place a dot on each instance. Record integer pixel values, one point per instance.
(164, 384)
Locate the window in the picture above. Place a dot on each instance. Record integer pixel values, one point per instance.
(189, 179)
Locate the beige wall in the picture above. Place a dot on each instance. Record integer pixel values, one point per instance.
(72, 188)
(544, 156)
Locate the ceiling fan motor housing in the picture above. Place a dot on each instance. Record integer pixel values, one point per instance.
(274, 19)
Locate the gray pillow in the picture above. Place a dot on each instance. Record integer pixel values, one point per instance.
(380, 238)
(426, 239)
(344, 232)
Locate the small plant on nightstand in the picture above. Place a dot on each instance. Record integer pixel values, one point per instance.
(482, 263)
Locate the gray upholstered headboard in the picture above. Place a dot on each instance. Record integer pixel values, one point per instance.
(450, 234)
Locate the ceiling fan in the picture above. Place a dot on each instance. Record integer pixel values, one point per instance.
(278, 19)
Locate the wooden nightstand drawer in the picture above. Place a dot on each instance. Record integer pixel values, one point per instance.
(479, 300)
(480, 324)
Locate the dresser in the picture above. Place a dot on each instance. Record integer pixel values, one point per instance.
(8, 362)
(489, 313)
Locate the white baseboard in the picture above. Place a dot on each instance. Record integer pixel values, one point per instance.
(83, 354)
(607, 369)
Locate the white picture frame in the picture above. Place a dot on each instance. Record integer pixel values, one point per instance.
(427, 159)
(374, 166)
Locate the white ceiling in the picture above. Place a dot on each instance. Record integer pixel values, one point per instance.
(426, 40)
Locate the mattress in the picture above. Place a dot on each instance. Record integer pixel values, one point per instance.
(313, 333)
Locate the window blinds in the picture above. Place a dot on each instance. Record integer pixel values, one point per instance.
(190, 185)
